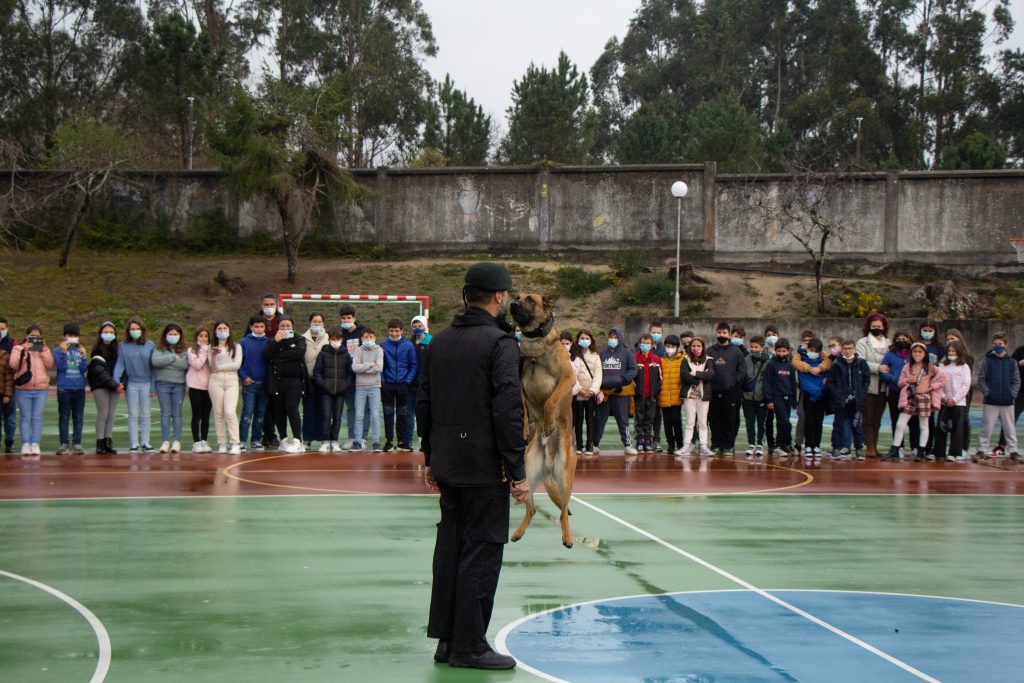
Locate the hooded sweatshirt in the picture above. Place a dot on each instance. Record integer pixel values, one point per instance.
(618, 365)
(367, 363)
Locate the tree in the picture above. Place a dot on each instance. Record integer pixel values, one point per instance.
(976, 151)
(722, 131)
(281, 147)
(457, 127)
(549, 118)
(61, 57)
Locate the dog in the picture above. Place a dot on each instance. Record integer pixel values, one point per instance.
(547, 381)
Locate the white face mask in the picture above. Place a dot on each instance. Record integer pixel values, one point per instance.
(567, 346)
(336, 344)
(269, 311)
(72, 341)
(671, 351)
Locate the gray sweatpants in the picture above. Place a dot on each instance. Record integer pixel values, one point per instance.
(106, 403)
(989, 415)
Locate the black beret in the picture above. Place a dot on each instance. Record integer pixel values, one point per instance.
(490, 277)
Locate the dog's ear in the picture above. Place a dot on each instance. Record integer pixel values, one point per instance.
(549, 300)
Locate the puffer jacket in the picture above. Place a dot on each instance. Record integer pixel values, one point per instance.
(873, 354)
(6, 375)
(753, 369)
(41, 361)
(671, 381)
(812, 386)
(998, 379)
(648, 375)
(931, 383)
(331, 372)
(101, 375)
(588, 372)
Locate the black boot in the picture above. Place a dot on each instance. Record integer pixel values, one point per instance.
(101, 446)
(110, 446)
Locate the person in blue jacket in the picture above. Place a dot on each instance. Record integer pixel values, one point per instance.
(813, 396)
(618, 368)
(396, 381)
(889, 372)
(72, 368)
(134, 374)
(252, 375)
(780, 395)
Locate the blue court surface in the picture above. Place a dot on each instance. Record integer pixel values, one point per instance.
(744, 635)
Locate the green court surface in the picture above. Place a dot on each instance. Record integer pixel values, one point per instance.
(336, 588)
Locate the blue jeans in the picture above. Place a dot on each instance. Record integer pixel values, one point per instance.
(31, 403)
(254, 409)
(350, 408)
(70, 406)
(371, 396)
(406, 436)
(7, 413)
(171, 396)
(138, 410)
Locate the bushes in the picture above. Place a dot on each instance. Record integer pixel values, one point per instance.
(576, 282)
(653, 290)
(630, 261)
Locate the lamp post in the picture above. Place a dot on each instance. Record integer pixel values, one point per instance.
(679, 190)
(859, 120)
(191, 99)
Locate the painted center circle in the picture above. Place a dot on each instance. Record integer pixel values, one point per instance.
(742, 636)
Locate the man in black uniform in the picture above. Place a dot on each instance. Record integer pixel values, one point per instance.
(470, 419)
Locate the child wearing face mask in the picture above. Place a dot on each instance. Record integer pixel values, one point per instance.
(170, 365)
(696, 374)
(780, 395)
(771, 336)
(921, 385)
(954, 403)
(368, 362)
(134, 370)
(197, 379)
(316, 339)
(926, 334)
(648, 387)
(670, 399)
(331, 374)
(999, 382)
(848, 382)
(813, 368)
(753, 396)
(72, 369)
(737, 338)
(104, 386)
(889, 373)
(252, 376)
(225, 359)
(588, 376)
(618, 369)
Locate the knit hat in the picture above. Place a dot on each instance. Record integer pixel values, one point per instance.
(489, 276)
(422, 319)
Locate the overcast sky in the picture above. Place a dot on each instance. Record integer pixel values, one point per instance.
(487, 44)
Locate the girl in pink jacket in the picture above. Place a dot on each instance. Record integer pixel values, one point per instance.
(31, 360)
(197, 379)
(920, 385)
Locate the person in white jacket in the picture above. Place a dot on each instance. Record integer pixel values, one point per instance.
(588, 377)
(953, 416)
(225, 359)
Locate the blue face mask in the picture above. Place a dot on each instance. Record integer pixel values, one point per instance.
(645, 348)
(736, 341)
(316, 329)
(172, 339)
(612, 343)
(3, 334)
(223, 335)
(347, 326)
(261, 335)
(656, 336)
(107, 337)
(416, 332)
(583, 343)
(996, 348)
(813, 355)
(367, 343)
(518, 335)
(927, 336)
(770, 340)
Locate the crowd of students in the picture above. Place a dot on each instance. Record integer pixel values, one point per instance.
(696, 389)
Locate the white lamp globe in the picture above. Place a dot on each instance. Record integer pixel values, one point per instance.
(679, 189)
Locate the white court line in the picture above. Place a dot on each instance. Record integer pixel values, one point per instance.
(103, 661)
(764, 594)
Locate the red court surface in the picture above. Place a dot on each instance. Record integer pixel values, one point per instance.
(401, 473)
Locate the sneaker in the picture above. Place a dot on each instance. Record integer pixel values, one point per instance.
(780, 453)
(377, 448)
(597, 451)
(705, 452)
(325, 447)
(1015, 456)
(77, 449)
(809, 453)
(64, 449)
(759, 451)
(223, 449)
(134, 450)
(197, 447)
(255, 446)
(859, 453)
(388, 447)
(26, 449)
(682, 451)
(629, 450)
(356, 446)
(236, 449)
(335, 448)
(405, 447)
(587, 452)
(750, 451)
(175, 447)
(146, 448)
(658, 448)
(35, 450)
(165, 447)
(242, 447)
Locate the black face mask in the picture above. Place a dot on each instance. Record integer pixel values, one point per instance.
(901, 345)
(876, 332)
(722, 340)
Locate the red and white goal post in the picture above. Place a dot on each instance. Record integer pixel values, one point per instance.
(405, 299)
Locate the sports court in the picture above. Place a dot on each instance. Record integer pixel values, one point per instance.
(315, 567)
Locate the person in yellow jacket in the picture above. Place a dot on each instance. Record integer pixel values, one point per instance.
(670, 399)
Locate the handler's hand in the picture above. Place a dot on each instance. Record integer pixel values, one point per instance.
(519, 490)
(428, 479)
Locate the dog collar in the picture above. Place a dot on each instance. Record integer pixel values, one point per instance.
(543, 330)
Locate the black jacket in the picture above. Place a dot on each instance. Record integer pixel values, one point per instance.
(848, 383)
(333, 370)
(729, 374)
(286, 359)
(100, 375)
(469, 410)
(780, 382)
(688, 377)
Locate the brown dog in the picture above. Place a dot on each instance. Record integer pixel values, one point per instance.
(548, 379)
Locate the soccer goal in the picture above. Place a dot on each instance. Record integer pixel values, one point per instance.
(372, 309)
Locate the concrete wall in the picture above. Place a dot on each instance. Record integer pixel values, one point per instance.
(930, 217)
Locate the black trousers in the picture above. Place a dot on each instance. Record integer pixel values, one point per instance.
(955, 438)
(672, 416)
(269, 427)
(617, 406)
(814, 416)
(583, 411)
(285, 406)
(646, 409)
(724, 418)
(199, 401)
(395, 398)
(471, 538)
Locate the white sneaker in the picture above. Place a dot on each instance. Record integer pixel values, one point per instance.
(335, 448)
(165, 446)
(35, 449)
(325, 447)
(197, 447)
(235, 449)
(349, 445)
(176, 447)
(750, 451)
(629, 450)
(682, 451)
(223, 449)
(597, 451)
(26, 449)
(706, 452)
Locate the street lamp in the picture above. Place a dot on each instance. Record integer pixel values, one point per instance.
(859, 120)
(679, 190)
(191, 100)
